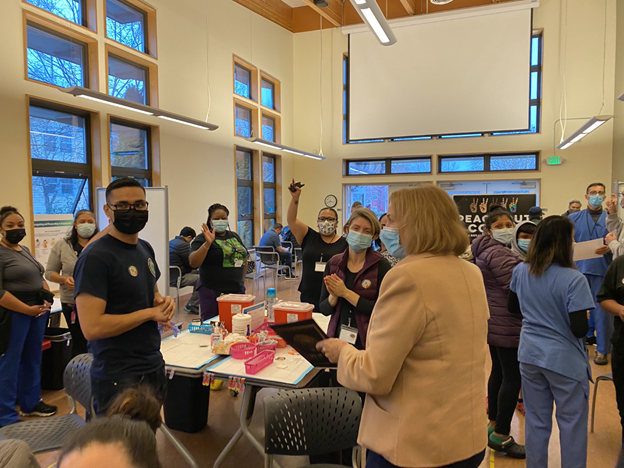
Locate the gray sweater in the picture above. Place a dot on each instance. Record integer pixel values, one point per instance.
(615, 225)
(62, 260)
(19, 271)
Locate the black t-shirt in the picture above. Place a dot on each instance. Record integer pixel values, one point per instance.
(315, 249)
(124, 275)
(219, 271)
(613, 288)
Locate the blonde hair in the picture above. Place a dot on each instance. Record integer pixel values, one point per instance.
(431, 221)
(369, 216)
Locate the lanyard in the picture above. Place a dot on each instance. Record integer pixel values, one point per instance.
(591, 231)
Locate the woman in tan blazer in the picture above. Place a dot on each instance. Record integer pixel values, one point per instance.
(423, 368)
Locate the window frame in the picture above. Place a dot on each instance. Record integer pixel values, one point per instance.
(275, 127)
(87, 20)
(253, 117)
(277, 92)
(62, 169)
(388, 166)
(487, 157)
(148, 75)
(133, 173)
(246, 183)
(269, 185)
(146, 27)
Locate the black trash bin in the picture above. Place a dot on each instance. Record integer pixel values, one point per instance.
(56, 358)
(186, 405)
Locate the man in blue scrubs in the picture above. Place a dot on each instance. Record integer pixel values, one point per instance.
(590, 224)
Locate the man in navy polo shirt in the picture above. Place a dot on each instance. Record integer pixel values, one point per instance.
(118, 300)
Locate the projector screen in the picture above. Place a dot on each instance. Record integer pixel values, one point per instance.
(462, 75)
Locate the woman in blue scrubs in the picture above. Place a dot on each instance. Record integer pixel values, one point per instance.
(553, 298)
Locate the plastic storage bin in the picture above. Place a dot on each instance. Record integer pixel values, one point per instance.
(289, 312)
(186, 404)
(55, 358)
(259, 362)
(225, 306)
(242, 350)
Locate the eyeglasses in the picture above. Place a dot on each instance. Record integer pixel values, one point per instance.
(592, 193)
(125, 207)
(322, 220)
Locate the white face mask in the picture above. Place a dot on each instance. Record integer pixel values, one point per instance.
(327, 228)
(504, 236)
(85, 230)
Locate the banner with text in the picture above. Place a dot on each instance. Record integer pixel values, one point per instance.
(473, 209)
(49, 230)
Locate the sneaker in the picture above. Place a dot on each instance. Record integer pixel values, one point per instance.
(188, 310)
(508, 447)
(42, 410)
(590, 341)
(601, 359)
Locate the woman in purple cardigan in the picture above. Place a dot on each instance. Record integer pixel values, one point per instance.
(497, 262)
(352, 281)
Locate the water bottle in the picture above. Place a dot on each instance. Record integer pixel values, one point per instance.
(271, 296)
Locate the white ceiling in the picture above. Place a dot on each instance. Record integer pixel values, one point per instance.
(294, 3)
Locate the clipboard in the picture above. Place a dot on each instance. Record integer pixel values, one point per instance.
(303, 337)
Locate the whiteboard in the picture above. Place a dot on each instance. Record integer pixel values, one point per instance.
(156, 232)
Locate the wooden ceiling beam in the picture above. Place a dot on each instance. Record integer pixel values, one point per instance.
(410, 6)
(273, 10)
(332, 12)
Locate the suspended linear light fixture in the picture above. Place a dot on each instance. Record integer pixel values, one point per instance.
(372, 15)
(588, 127)
(136, 107)
(288, 149)
(441, 2)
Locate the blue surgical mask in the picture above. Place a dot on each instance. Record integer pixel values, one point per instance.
(220, 225)
(596, 201)
(524, 244)
(359, 242)
(390, 238)
(503, 236)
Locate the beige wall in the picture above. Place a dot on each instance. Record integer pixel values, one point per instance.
(587, 161)
(618, 123)
(197, 165)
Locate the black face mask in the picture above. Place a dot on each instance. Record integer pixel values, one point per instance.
(131, 221)
(15, 236)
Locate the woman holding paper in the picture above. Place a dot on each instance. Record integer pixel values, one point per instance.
(427, 334)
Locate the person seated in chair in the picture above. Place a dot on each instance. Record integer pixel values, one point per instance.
(271, 239)
(179, 252)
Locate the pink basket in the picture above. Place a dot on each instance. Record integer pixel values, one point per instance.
(266, 326)
(259, 362)
(266, 347)
(242, 350)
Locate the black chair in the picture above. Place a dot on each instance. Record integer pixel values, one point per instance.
(312, 421)
(607, 377)
(268, 258)
(44, 435)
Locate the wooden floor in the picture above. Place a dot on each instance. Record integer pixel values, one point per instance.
(603, 449)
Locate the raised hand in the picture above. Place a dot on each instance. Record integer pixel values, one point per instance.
(612, 204)
(483, 207)
(473, 205)
(295, 189)
(209, 234)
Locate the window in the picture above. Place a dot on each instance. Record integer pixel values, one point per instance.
(489, 162)
(242, 81)
(244, 195)
(243, 122)
(71, 10)
(130, 153)
(61, 161)
(269, 190)
(127, 80)
(268, 128)
(55, 59)
(126, 24)
(268, 94)
(373, 197)
(419, 165)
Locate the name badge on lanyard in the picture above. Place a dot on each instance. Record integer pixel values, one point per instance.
(320, 265)
(348, 334)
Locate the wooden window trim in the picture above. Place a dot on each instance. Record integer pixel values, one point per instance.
(153, 173)
(486, 162)
(140, 61)
(90, 43)
(89, 16)
(277, 186)
(256, 191)
(253, 80)
(277, 93)
(255, 124)
(151, 42)
(277, 129)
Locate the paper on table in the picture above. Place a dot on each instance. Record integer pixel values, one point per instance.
(189, 350)
(587, 250)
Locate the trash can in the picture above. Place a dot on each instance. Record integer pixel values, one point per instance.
(55, 358)
(186, 405)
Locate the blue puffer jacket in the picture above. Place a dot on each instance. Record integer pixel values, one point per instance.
(497, 264)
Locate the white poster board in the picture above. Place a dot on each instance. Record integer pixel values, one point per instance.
(49, 230)
(156, 232)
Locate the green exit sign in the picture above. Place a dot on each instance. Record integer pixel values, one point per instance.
(554, 161)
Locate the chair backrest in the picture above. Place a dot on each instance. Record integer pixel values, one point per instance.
(267, 255)
(176, 278)
(311, 421)
(77, 379)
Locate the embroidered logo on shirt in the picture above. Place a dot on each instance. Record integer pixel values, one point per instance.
(133, 271)
(366, 284)
(152, 267)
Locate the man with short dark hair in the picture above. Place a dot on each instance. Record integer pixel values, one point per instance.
(536, 214)
(573, 207)
(271, 239)
(179, 251)
(118, 301)
(591, 224)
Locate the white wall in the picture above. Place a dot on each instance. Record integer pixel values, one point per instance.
(586, 162)
(198, 166)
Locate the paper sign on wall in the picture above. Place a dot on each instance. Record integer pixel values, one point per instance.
(50, 230)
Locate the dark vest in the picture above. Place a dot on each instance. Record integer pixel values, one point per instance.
(366, 285)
